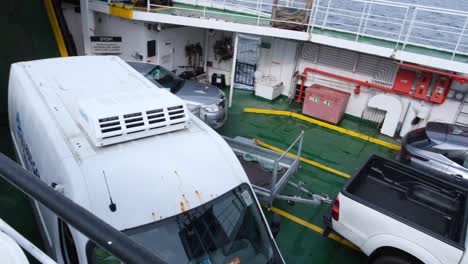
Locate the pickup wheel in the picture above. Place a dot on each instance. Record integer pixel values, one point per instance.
(394, 259)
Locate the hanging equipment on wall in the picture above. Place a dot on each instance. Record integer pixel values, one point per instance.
(223, 49)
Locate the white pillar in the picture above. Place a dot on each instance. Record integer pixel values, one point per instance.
(205, 52)
(233, 68)
(87, 23)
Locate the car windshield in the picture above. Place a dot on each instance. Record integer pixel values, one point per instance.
(165, 78)
(229, 229)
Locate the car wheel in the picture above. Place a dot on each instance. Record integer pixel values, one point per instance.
(394, 259)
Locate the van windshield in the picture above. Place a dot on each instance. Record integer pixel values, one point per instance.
(229, 229)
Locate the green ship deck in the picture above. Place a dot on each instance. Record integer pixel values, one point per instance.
(299, 243)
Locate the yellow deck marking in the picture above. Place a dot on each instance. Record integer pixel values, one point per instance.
(56, 28)
(323, 124)
(121, 10)
(314, 227)
(151, 9)
(308, 161)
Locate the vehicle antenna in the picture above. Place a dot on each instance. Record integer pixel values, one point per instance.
(112, 205)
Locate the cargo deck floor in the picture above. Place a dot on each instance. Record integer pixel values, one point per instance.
(297, 240)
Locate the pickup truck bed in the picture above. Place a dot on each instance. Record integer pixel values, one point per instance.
(425, 202)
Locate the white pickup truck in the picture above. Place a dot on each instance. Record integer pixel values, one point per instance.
(396, 214)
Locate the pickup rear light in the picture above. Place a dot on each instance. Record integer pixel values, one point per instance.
(336, 209)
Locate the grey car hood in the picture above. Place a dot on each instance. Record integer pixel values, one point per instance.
(200, 93)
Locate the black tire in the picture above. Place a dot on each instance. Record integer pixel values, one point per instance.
(394, 259)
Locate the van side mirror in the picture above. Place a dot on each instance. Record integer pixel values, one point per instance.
(275, 224)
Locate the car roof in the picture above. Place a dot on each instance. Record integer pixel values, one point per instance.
(447, 133)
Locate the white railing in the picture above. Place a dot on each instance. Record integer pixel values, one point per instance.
(400, 26)
(25, 243)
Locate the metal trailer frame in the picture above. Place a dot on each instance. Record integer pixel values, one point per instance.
(280, 161)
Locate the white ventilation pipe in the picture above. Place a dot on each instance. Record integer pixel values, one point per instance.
(415, 110)
(393, 108)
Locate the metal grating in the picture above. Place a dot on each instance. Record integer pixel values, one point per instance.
(381, 70)
(156, 118)
(338, 58)
(135, 122)
(245, 74)
(175, 113)
(310, 52)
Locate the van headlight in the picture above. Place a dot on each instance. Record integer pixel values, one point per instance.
(213, 108)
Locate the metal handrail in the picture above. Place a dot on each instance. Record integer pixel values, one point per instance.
(402, 19)
(106, 236)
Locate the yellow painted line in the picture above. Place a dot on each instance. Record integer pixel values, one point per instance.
(323, 124)
(56, 28)
(308, 161)
(151, 9)
(120, 10)
(313, 227)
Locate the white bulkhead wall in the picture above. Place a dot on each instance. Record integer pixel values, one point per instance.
(180, 37)
(135, 36)
(445, 112)
(279, 61)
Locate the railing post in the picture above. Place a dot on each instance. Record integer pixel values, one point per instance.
(148, 5)
(367, 18)
(258, 12)
(326, 14)
(312, 17)
(299, 148)
(410, 29)
(460, 39)
(204, 11)
(402, 27)
(273, 182)
(362, 18)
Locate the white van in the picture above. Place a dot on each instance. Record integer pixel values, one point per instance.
(94, 129)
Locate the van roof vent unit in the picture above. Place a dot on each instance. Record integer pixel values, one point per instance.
(128, 116)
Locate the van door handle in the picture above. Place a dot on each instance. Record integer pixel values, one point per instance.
(457, 177)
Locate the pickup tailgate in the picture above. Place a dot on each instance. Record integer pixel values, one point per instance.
(386, 202)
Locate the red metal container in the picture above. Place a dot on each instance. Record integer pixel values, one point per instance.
(325, 103)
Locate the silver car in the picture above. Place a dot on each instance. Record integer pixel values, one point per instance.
(439, 148)
(206, 101)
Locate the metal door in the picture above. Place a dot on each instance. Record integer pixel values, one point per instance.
(245, 73)
(166, 55)
(246, 63)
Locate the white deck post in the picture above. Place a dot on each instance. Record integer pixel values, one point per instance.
(462, 33)
(233, 68)
(205, 52)
(87, 23)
